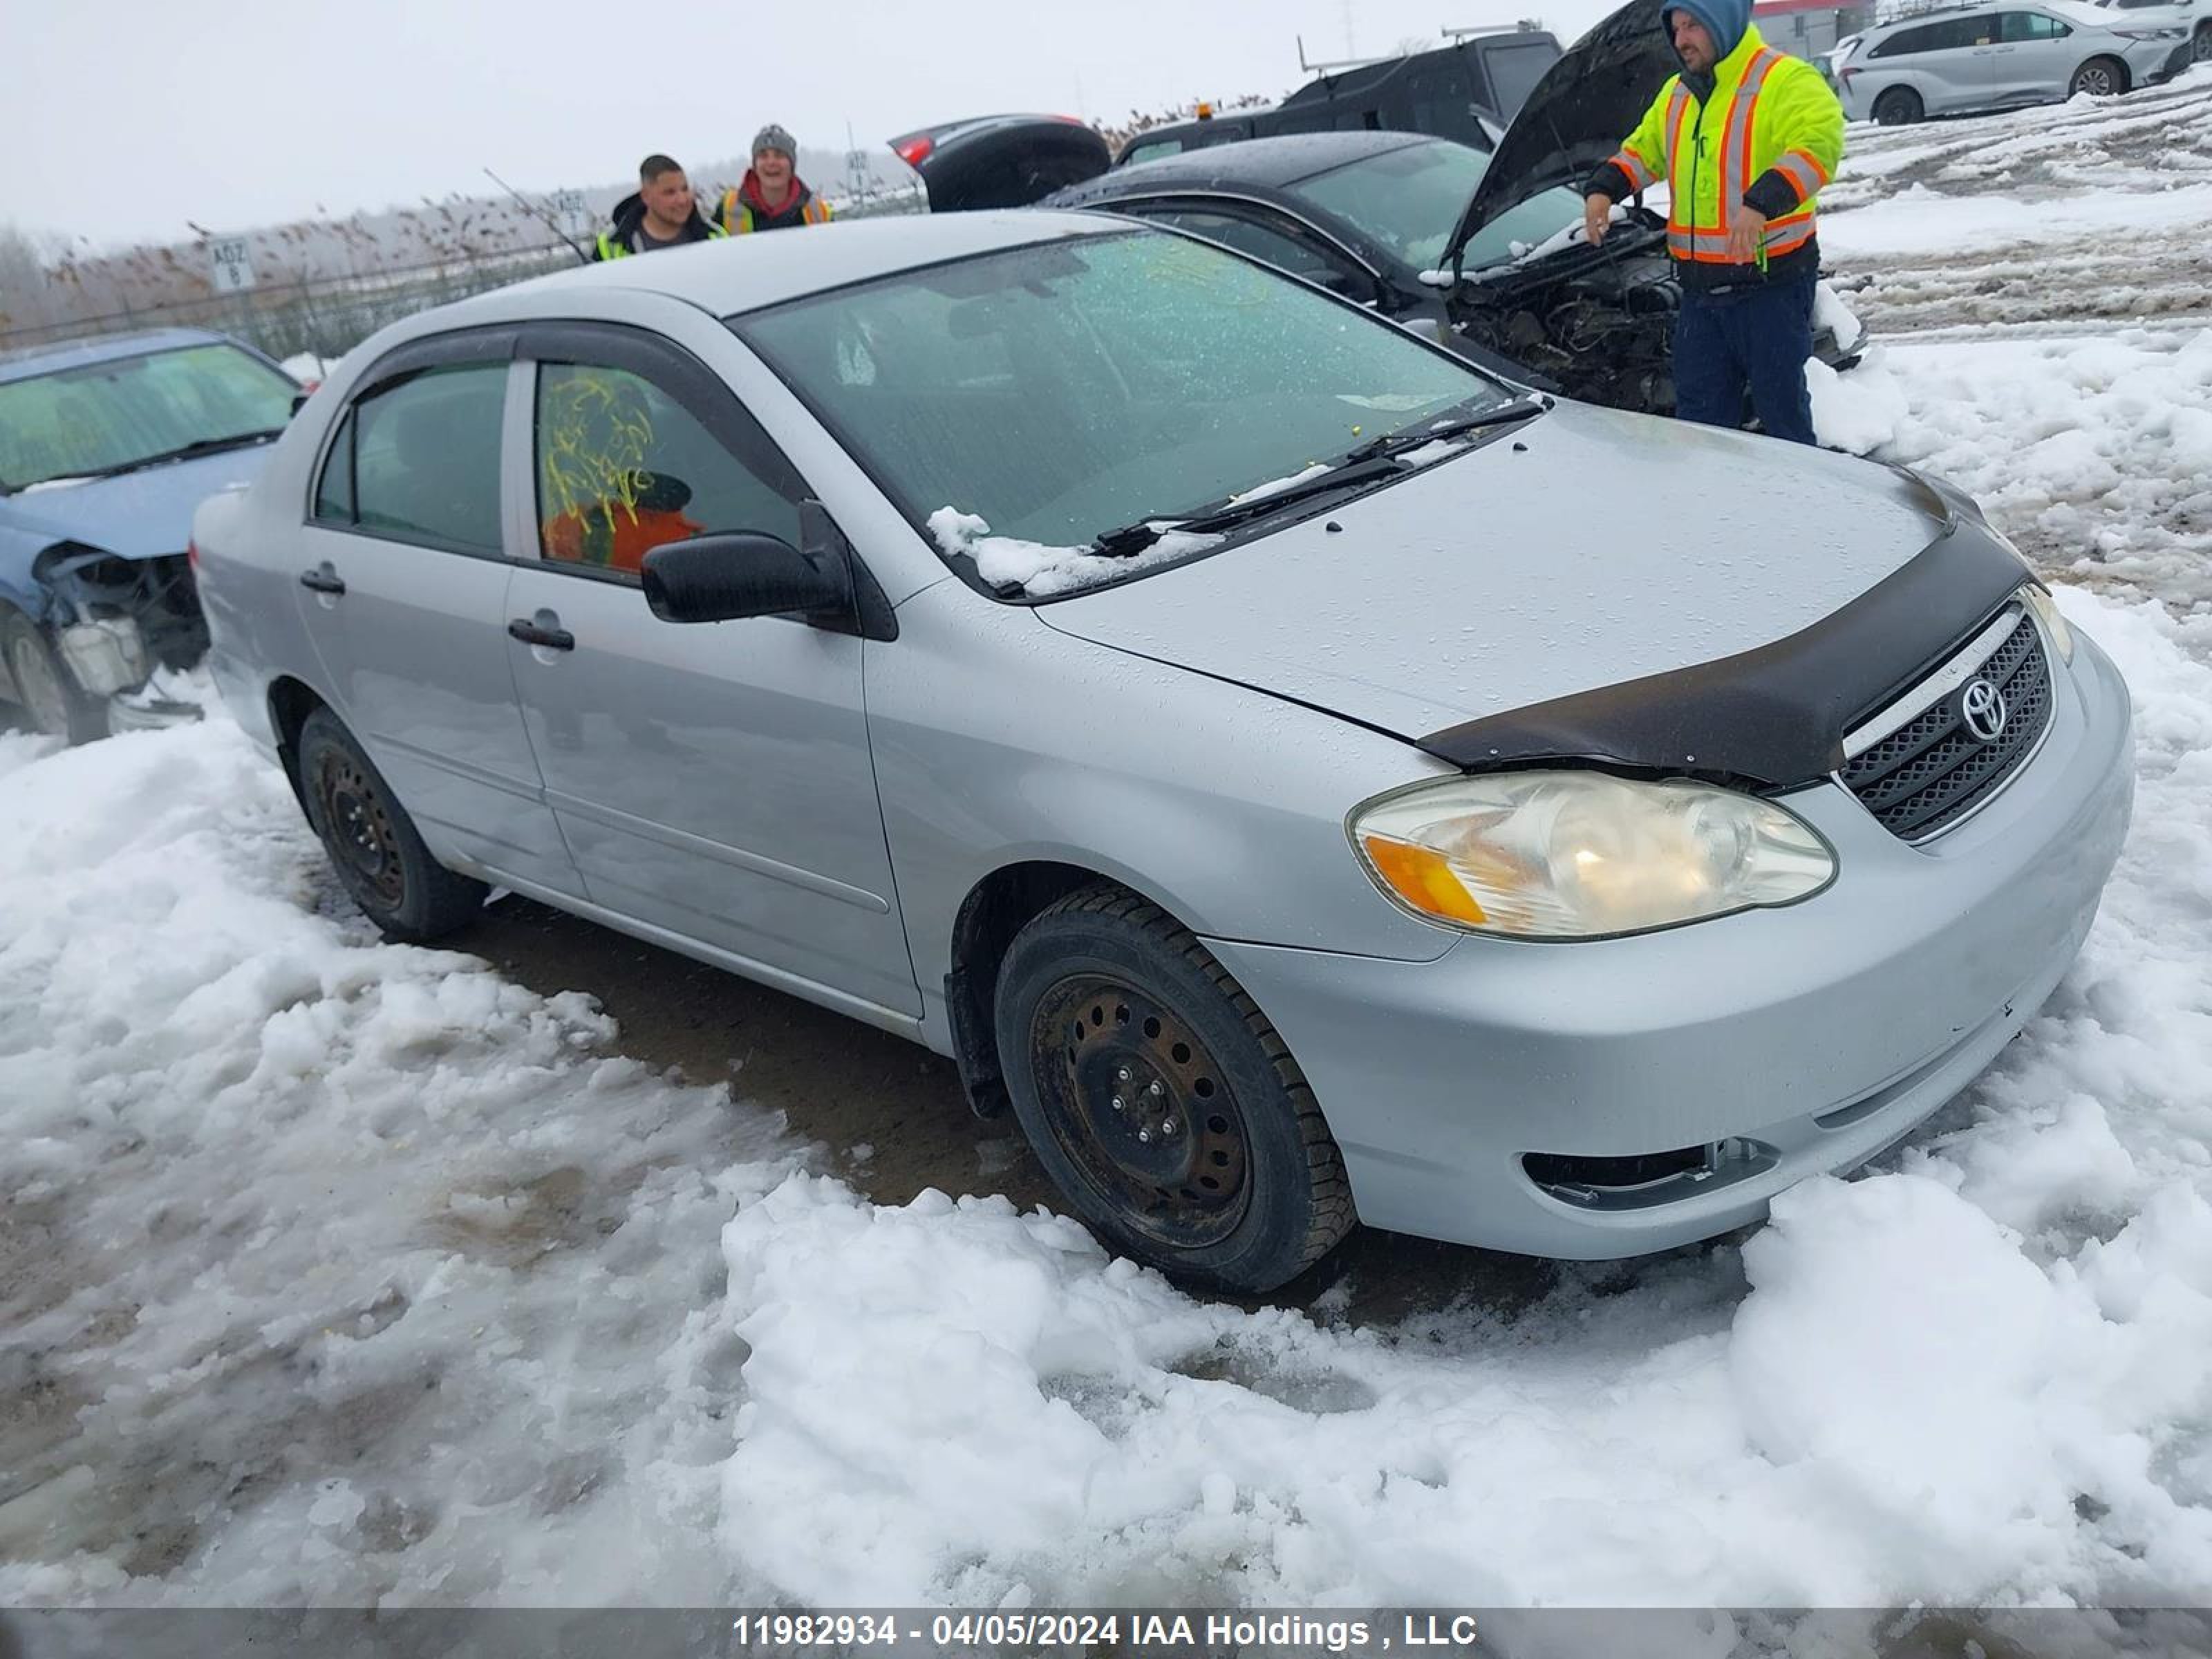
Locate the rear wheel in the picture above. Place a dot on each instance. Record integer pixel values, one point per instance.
(48, 692)
(1900, 106)
(2101, 77)
(2200, 45)
(1161, 1101)
(374, 844)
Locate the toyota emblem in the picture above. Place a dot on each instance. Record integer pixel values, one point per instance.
(1982, 708)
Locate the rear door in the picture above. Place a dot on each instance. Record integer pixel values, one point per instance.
(714, 780)
(1946, 62)
(404, 567)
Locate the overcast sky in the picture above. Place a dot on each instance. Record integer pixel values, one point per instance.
(124, 119)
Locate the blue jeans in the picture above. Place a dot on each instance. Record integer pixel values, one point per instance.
(1754, 340)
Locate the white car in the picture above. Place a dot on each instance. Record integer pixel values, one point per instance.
(2001, 56)
(2192, 17)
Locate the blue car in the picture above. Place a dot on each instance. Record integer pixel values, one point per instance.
(105, 447)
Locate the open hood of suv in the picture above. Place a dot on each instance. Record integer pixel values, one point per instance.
(1585, 105)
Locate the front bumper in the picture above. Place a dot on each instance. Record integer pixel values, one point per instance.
(1784, 1043)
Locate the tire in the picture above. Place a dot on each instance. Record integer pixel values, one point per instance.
(1900, 106)
(2101, 77)
(372, 844)
(2200, 45)
(1218, 1167)
(44, 688)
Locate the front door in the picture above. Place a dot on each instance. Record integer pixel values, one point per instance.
(402, 587)
(713, 779)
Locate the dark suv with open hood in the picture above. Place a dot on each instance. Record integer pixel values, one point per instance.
(1483, 251)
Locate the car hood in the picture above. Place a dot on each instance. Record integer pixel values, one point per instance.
(1585, 105)
(135, 515)
(1589, 549)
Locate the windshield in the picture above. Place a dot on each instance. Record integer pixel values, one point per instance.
(1409, 201)
(1057, 392)
(1523, 227)
(102, 417)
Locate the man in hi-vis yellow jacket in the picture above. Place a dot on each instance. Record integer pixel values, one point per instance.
(1745, 137)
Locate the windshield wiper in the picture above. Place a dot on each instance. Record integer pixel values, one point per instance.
(185, 451)
(1398, 443)
(1370, 463)
(1136, 538)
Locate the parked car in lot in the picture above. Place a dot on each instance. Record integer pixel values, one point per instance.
(1191, 704)
(105, 447)
(2192, 17)
(1483, 251)
(2000, 56)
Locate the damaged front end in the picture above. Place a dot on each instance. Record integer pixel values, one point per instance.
(121, 627)
(1596, 324)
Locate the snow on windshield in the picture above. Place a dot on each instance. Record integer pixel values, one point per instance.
(1041, 570)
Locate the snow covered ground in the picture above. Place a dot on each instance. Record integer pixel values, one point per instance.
(343, 1273)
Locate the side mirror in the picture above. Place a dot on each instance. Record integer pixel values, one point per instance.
(723, 578)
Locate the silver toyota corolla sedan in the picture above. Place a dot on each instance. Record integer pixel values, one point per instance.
(1304, 778)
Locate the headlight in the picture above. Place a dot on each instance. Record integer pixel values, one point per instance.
(2046, 612)
(1584, 854)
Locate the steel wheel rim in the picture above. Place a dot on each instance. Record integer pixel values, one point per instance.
(1173, 1159)
(364, 841)
(43, 695)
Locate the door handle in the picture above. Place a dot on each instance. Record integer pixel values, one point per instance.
(322, 579)
(553, 638)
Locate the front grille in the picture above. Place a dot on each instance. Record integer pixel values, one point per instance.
(1932, 771)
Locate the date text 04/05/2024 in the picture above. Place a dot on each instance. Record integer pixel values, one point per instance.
(1137, 1630)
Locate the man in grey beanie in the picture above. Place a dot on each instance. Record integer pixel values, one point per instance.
(773, 197)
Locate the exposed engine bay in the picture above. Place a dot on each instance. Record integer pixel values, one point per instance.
(117, 621)
(1595, 324)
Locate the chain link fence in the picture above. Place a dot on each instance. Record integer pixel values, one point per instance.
(323, 317)
(326, 315)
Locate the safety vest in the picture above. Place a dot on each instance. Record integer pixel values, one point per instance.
(1769, 112)
(738, 219)
(610, 248)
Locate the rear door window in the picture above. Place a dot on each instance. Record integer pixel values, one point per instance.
(423, 456)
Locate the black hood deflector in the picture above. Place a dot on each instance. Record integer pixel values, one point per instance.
(1586, 103)
(1774, 717)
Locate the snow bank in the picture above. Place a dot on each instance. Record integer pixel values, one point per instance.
(2095, 453)
(340, 1272)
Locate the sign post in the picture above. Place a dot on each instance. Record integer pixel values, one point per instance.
(230, 264)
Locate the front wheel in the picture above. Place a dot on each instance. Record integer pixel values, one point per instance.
(1160, 1099)
(1900, 106)
(49, 694)
(2200, 45)
(2101, 77)
(378, 853)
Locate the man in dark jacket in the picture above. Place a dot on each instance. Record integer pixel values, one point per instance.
(662, 213)
(772, 197)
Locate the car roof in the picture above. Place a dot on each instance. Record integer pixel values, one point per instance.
(2074, 10)
(1272, 162)
(27, 362)
(744, 273)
